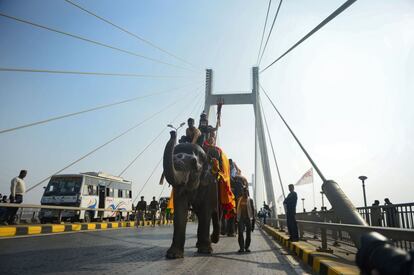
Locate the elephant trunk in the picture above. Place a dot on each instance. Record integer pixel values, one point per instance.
(168, 163)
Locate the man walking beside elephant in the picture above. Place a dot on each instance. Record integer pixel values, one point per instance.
(245, 220)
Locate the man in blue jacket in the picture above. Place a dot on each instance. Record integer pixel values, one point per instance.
(290, 206)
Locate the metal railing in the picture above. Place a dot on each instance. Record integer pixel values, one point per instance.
(394, 215)
(29, 213)
(403, 238)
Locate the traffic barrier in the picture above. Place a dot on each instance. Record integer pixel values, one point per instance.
(321, 263)
(22, 230)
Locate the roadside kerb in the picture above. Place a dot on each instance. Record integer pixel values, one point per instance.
(321, 263)
(38, 229)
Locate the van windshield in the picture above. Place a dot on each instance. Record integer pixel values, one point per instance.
(63, 186)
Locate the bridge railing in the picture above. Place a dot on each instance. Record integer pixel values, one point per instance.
(395, 215)
(339, 232)
(29, 212)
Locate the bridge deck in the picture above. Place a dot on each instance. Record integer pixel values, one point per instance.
(138, 251)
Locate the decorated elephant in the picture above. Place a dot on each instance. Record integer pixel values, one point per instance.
(188, 169)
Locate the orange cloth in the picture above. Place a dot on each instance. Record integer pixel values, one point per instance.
(170, 204)
(227, 198)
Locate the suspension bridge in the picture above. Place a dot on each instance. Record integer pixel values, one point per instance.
(110, 238)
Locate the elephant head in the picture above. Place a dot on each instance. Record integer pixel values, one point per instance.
(183, 163)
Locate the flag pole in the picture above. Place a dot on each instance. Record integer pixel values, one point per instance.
(313, 187)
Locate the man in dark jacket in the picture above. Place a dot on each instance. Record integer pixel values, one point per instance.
(141, 209)
(153, 207)
(163, 211)
(245, 220)
(290, 206)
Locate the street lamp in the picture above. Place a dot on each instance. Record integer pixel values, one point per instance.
(303, 204)
(363, 178)
(323, 205)
(176, 129)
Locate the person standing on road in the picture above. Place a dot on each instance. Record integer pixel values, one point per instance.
(245, 220)
(17, 190)
(153, 207)
(163, 211)
(376, 216)
(141, 209)
(391, 214)
(290, 205)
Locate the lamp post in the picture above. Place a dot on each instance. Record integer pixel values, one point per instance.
(363, 178)
(323, 205)
(176, 128)
(303, 204)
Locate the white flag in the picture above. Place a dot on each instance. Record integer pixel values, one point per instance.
(306, 178)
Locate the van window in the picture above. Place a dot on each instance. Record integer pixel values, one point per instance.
(63, 186)
(109, 192)
(90, 190)
(130, 194)
(120, 193)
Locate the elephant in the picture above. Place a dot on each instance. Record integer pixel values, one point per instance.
(188, 169)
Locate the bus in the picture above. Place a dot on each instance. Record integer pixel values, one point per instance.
(87, 190)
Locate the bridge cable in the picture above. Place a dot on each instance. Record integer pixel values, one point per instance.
(130, 33)
(103, 145)
(20, 70)
(264, 28)
(273, 150)
(162, 191)
(270, 32)
(156, 166)
(92, 41)
(147, 180)
(297, 140)
(146, 147)
(85, 111)
(338, 11)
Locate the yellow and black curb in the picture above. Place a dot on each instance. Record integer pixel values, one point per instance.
(24, 230)
(321, 263)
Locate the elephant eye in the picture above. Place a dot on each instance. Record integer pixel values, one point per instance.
(180, 156)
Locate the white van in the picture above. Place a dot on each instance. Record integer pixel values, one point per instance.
(88, 190)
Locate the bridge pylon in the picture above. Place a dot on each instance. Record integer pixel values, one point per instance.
(252, 98)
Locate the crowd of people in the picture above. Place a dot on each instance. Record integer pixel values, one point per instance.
(155, 210)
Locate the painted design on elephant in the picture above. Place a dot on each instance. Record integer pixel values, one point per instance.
(227, 198)
(221, 168)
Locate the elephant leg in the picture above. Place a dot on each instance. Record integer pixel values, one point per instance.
(223, 224)
(230, 227)
(198, 228)
(180, 222)
(215, 236)
(203, 231)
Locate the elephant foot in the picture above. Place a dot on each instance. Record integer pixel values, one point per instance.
(205, 249)
(174, 253)
(215, 237)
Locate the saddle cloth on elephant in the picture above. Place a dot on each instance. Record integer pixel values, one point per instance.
(221, 168)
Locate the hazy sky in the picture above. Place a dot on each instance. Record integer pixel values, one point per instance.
(346, 91)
